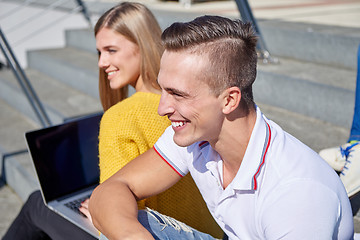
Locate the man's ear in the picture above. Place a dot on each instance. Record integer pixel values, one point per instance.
(231, 99)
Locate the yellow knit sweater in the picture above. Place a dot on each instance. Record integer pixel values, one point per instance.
(127, 130)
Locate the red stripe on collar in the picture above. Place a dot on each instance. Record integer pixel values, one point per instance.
(255, 186)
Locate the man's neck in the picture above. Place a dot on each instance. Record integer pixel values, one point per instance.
(232, 144)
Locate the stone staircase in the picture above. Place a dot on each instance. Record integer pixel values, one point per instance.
(66, 81)
(310, 92)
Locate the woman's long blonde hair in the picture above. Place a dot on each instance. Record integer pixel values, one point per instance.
(135, 22)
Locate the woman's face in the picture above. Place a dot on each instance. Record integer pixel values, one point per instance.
(119, 57)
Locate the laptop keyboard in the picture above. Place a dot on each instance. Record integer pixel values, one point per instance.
(75, 205)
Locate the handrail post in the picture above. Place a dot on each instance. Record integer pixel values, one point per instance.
(4, 159)
(247, 16)
(84, 12)
(24, 82)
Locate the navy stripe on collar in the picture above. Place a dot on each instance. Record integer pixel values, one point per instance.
(203, 144)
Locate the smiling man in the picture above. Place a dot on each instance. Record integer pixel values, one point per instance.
(258, 181)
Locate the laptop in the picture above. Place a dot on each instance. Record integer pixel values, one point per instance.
(65, 158)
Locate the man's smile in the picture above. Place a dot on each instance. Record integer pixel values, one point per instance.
(177, 124)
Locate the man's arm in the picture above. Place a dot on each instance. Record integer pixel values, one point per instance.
(113, 204)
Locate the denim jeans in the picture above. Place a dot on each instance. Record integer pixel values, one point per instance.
(163, 227)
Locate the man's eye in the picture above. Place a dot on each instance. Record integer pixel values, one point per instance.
(111, 50)
(175, 94)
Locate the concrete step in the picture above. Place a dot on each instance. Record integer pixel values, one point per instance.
(331, 45)
(313, 132)
(13, 126)
(325, 44)
(9, 207)
(59, 100)
(301, 85)
(16, 169)
(83, 39)
(20, 175)
(66, 81)
(75, 67)
(315, 90)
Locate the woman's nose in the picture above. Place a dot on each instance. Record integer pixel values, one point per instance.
(103, 62)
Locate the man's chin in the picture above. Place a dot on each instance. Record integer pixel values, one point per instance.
(182, 142)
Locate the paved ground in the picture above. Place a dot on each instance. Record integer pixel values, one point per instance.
(10, 205)
(328, 12)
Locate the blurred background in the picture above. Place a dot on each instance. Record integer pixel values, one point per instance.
(306, 73)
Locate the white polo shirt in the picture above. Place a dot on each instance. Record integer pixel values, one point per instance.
(283, 189)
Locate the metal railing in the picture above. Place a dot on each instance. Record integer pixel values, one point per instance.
(247, 16)
(19, 73)
(24, 81)
(12, 61)
(242, 5)
(80, 7)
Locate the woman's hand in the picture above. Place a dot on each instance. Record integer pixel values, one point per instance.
(84, 209)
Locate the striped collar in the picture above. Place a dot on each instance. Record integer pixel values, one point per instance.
(254, 159)
(254, 182)
(203, 144)
(255, 155)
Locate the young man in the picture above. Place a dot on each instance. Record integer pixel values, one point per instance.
(258, 181)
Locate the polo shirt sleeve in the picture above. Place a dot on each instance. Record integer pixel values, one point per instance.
(289, 212)
(177, 157)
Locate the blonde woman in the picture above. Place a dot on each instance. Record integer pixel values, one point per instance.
(129, 46)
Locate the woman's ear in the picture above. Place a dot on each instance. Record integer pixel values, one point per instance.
(231, 99)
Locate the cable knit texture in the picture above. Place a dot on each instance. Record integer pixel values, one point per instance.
(127, 130)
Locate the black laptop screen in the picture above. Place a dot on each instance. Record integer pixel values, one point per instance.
(66, 156)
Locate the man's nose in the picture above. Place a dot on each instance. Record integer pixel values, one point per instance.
(165, 105)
